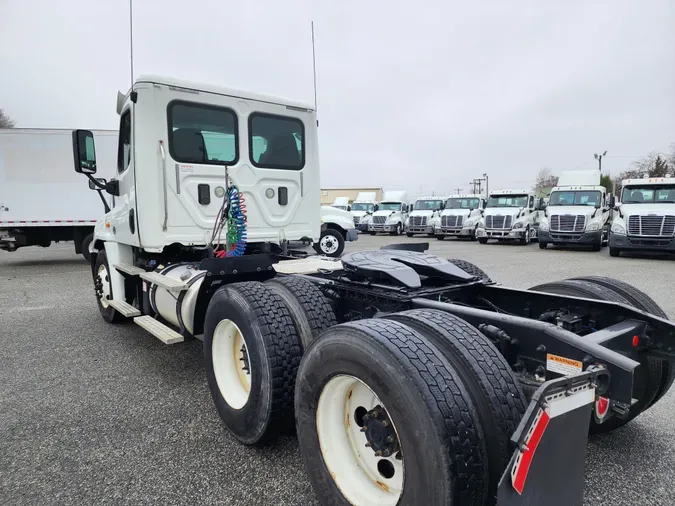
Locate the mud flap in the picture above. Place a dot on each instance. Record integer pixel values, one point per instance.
(547, 467)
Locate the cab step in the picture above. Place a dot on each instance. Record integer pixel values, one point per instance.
(158, 329)
(170, 284)
(124, 308)
(129, 269)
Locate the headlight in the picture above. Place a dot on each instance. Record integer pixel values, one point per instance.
(543, 225)
(593, 227)
(617, 228)
(519, 224)
(470, 222)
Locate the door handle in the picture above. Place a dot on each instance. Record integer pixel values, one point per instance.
(283, 195)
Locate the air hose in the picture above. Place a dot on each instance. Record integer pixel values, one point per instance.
(236, 223)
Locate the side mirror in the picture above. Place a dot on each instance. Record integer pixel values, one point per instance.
(84, 152)
(484, 204)
(349, 208)
(100, 180)
(611, 201)
(375, 207)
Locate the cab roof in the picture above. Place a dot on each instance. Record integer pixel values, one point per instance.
(648, 181)
(517, 191)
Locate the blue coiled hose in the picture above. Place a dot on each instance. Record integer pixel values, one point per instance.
(236, 223)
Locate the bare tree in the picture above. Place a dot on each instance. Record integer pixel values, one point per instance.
(6, 121)
(671, 156)
(545, 180)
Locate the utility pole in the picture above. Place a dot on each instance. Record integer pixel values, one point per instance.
(599, 159)
(479, 181)
(458, 191)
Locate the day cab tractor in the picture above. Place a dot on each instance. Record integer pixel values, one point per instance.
(425, 212)
(409, 378)
(510, 215)
(460, 217)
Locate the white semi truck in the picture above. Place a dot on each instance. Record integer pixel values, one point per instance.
(391, 214)
(644, 219)
(41, 200)
(363, 208)
(578, 212)
(509, 215)
(422, 217)
(337, 226)
(460, 217)
(341, 203)
(408, 378)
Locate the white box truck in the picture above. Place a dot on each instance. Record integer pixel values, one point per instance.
(578, 211)
(644, 219)
(41, 199)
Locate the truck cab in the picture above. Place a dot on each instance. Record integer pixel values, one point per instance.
(644, 218)
(362, 209)
(578, 212)
(509, 215)
(460, 216)
(341, 203)
(391, 214)
(422, 217)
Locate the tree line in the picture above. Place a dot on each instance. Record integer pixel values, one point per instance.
(6, 121)
(654, 164)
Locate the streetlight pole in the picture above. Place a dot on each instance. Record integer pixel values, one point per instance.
(487, 188)
(599, 159)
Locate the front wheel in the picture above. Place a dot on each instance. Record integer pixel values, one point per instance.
(440, 237)
(614, 252)
(526, 237)
(103, 290)
(408, 234)
(542, 245)
(331, 244)
(375, 428)
(399, 230)
(85, 247)
(482, 240)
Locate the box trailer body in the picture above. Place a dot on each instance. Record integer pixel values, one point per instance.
(578, 211)
(41, 199)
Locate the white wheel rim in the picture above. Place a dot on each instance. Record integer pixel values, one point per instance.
(354, 467)
(105, 285)
(329, 244)
(231, 364)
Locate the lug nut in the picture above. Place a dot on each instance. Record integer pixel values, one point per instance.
(390, 439)
(378, 453)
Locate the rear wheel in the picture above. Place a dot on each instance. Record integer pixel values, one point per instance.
(251, 355)
(103, 290)
(387, 420)
(644, 302)
(648, 376)
(494, 389)
(310, 311)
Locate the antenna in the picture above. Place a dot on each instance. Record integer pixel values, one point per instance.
(316, 107)
(131, 40)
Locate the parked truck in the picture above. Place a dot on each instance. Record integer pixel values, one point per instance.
(41, 200)
(341, 203)
(509, 215)
(460, 217)
(644, 219)
(337, 226)
(363, 208)
(422, 217)
(408, 378)
(578, 212)
(391, 214)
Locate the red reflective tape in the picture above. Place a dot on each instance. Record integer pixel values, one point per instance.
(528, 454)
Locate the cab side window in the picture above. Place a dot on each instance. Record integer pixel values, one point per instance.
(124, 147)
(276, 142)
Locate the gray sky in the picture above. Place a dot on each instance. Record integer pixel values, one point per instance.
(411, 94)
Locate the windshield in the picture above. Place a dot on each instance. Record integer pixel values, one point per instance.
(363, 206)
(458, 203)
(507, 201)
(652, 194)
(340, 207)
(575, 198)
(390, 206)
(428, 205)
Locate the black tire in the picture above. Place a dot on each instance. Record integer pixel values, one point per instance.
(85, 247)
(494, 389)
(525, 240)
(614, 252)
(373, 233)
(108, 313)
(470, 268)
(440, 237)
(274, 353)
(472, 236)
(482, 240)
(644, 302)
(431, 235)
(409, 234)
(309, 309)
(597, 247)
(542, 245)
(649, 373)
(398, 231)
(436, 423)
(335, 238)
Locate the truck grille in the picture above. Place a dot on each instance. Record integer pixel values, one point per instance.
(652, 226)
(568, 222)
(418, 221)
(452, 221)
(498, 221)
(357, 219)
(379, 220)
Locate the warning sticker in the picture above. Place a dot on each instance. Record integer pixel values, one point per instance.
(562, 365)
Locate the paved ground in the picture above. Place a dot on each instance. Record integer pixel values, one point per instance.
(98, 414)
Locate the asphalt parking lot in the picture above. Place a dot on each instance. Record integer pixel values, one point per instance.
(97, 414)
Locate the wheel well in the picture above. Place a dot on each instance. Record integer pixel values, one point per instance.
(334, 226)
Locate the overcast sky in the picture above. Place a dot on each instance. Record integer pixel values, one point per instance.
(411, 94)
